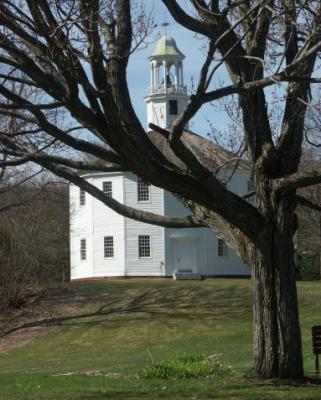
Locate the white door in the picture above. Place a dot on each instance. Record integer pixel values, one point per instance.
(185, 255)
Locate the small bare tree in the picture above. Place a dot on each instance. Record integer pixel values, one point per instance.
(309, 198)
(16, 268)
(34, 249)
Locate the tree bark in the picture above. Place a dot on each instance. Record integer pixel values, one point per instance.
(276, 332)
(265, 327)
(290, 346)
(276, 329)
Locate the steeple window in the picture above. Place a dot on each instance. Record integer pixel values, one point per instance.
(173, 109)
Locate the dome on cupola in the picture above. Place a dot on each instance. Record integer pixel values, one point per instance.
(166, 46)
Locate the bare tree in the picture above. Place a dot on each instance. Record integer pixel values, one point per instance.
(14, 269)
(13, 175)
(309, 199)
(308, 239)
(34, 249)
(75, 53)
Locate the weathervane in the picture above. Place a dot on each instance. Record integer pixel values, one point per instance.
(165, 24)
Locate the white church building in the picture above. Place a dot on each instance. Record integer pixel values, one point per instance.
(105, 244)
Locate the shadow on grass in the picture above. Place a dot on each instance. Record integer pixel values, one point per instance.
(160, 301)
(141, 396)
(279, 390)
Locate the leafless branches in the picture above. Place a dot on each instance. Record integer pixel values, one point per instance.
(71, 60)
(63, 68)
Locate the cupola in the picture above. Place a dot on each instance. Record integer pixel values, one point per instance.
(167, 95)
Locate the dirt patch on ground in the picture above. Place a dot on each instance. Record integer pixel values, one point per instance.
(94, 373)
(39, 312)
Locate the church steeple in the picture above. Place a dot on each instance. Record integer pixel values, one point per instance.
(167, 95)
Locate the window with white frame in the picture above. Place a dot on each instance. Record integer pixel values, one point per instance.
(144, 246)
(82, 197)
(250, 186)
(83, 250)
(221, 248)
(108, 188)
(143, 191)
(108, 246)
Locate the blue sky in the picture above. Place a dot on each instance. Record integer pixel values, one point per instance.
(139, 70)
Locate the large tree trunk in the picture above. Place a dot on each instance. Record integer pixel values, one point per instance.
(276, 330)
(265, 328)
(290, 347)
(277, 337)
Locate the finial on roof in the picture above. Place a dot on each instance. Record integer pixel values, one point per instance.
(165, 24)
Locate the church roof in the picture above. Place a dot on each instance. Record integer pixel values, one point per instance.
(166, 46)
(211, 155)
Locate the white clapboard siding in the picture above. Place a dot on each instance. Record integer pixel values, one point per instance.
(80, 228)
(208, 261)
(174, 207)
(229, 264)
(106, 222)
(94, 221)
(135, 266)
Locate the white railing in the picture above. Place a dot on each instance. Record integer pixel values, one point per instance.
(170, 89)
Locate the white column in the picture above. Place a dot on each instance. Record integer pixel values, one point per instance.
(152, 78)
(182, 75)
(156, 75)
(165, 73)
(176, 74)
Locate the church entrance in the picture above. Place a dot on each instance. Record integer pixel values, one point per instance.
(185, 255)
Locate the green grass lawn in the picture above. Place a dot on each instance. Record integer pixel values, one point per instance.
(134, 322)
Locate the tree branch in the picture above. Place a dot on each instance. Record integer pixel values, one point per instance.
(187, 21)
(297, 180)
(74, 164)
(53, 130)
(307, 203)
(126, 211)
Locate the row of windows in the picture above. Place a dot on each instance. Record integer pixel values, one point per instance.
(144, 250)
(143, 191)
